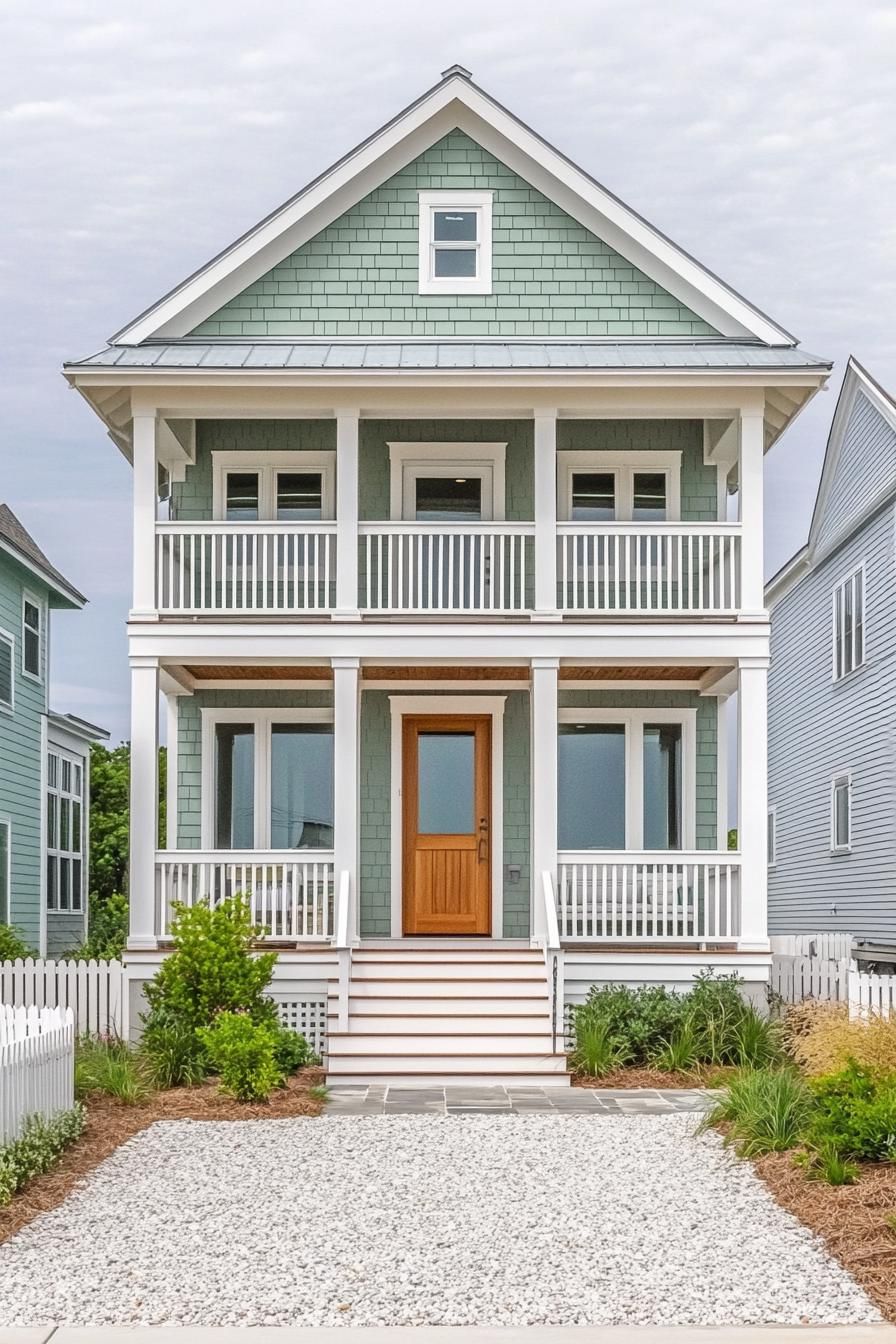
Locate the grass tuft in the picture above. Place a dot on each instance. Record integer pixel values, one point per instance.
(765, 1110)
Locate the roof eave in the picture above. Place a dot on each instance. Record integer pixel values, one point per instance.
(67, 597)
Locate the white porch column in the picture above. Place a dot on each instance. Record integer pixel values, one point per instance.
(546, 513)
(347, 514)
(346, 776)
(752, 792)
(146, 490)
(752, 448)
(544, 782)
(144, 802)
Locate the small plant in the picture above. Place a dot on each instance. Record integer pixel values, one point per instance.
(822, 1038)
(37, 1148)
(596, 1052)
(292, 1050)
(319, 1092)
(244, 1054)
(107, 1065)
(855, 1113)
(827, 1164)
(681, 1053)
(108, 925)
(767, 1111)
(755, 1041)
(12, 945)
(173, 1051)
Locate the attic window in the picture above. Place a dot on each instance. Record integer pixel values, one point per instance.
(455, 242)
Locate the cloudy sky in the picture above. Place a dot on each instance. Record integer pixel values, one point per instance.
(760, 137)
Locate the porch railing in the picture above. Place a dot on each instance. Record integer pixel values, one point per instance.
(446, 567)
(291, 894)
(610, 568)
(234, 568)
(649, 897)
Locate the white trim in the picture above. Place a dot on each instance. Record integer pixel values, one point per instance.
(6, 820)
(454, 103)
(9, 707)
(267, 465)
(172, 720)
(408, 461)
(623, 465)
(772, 838)
(33, 600)
(42, 877)
(634, 721)
(848, 580)
(261, 719)
(493, 705)
(843, 777)
(479, 202)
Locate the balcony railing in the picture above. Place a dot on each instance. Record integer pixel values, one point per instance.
(613, 568)
(446, 567)
(649, 897)
(290, 894)
(233, 568)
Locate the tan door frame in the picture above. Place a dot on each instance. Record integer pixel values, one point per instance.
(492, 705)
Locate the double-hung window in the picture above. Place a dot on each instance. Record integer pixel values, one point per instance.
(611, 488)
(32, 636)
(65, 833)
(626, 779)
(268, 779)
(455, 233)
(841, 814)
(7, 672)
(277, 487)
(849, 624)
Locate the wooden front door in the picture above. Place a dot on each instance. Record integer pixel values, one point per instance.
(447, 824)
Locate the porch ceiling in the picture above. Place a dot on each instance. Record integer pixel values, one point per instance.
(421, 672)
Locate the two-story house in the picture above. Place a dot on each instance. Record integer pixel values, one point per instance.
(44, 757)
(832, 770)
(443, 596)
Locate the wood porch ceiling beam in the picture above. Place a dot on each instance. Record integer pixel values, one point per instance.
(421, 672)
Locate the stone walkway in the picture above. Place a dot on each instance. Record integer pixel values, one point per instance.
(471, 1100)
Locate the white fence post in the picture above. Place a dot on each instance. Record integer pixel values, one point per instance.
(37, 1065)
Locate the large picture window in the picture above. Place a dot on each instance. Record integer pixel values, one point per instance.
(268, 779)
(65, 834)
(849, 624)
(626, 779)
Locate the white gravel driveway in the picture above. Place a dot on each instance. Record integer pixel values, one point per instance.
(401, 1220)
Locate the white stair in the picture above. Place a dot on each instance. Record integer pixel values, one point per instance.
(450, 1013)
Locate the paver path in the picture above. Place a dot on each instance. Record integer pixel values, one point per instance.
(470, 1100)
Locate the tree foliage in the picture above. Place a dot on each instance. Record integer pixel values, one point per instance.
(110, 771)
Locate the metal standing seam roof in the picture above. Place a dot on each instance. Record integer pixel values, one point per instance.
(385, 355)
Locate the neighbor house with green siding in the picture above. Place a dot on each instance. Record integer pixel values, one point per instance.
(44, 757)
(447, 561)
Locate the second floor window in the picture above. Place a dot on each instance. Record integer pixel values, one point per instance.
(602, 487)
(32, 636)
(6, 671)
(283, 487)
(455, 242)
(841, 814)
(849, 624)
(65, 833)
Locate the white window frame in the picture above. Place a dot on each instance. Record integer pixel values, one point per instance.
(771, 837)
(634, 721)
(9, 707)
(267, 465)
(848, 580)
(623, 466)
(262, 721)
(6, 825)
(55, 851)
(409, 461)
(841, 780)
(33, 600)
(480, 202)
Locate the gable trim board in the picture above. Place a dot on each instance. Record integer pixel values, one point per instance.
(455, 103)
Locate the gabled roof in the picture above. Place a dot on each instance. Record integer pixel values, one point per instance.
(826, 534)
(454, 103)
(17, 542)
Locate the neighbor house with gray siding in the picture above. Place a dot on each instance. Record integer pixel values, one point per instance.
(44, 757)
(832, 691)
(447, 559)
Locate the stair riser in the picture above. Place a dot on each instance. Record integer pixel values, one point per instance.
(369, 1065)
(437, 1023)
(494, 993)
(450, 1007)
(366, 1078)
(438, 958)
(421, 1045)
(456, 970)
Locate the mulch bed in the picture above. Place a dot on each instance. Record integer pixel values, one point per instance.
(633, 1077)
(110, 1124)
(856, 1222)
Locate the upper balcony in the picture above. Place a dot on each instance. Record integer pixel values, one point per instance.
(526, 519)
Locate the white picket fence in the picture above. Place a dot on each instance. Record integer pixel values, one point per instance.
(827, 946)
(836, 980)
(95, 991)
(37, 1065)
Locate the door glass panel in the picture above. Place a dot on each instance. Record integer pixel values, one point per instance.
(301, 786)
(591, 786)
(662, 786)
(242, 497)
(447, 499)
(446, 788)
(649, 497)
(234, 786)
(593, 497)
(299, 495)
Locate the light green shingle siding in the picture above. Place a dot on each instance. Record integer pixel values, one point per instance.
(359, 276)
(375, 872)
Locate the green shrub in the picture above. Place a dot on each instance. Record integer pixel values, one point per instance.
(244, 1054)
(638, 1021)
(113, 1067)
(35, 1151)
(107, 930)
(173, 1051)
(767, 1111)
(855, 1113)
(681, 1052)
(828, 1165)
(12, 945)
(596, 1052)
(292, 1050)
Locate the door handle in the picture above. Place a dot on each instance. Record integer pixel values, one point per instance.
(483, 839)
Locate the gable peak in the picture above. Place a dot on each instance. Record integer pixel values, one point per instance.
(457, 70)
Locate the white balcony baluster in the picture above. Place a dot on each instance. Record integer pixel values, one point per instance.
(423, 567)
(290, 894)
